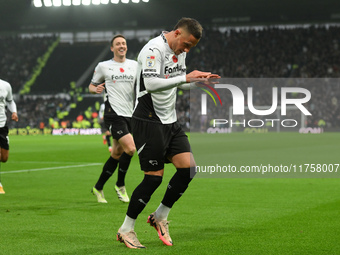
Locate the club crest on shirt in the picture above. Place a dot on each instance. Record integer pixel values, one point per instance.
(150, 61)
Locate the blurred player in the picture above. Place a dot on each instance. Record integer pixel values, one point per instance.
(158, 137)
(117, 77)
(105, 131)
(6, 99)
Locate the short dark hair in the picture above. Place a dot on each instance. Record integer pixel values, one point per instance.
(191, 25)
(117, 36)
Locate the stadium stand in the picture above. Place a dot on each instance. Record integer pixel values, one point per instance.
(67, 63)
(301, 51)
(270, 52)
(18, 57)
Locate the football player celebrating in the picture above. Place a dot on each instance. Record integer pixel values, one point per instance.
(117, 77)
(158, 137)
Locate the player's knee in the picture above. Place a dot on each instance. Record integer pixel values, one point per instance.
(130, 150)
(115, 155)
(117, 151)
(4, 159)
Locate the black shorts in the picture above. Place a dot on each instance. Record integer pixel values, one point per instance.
(156, 141)
(103, 127)
(117, 125)
(4, 140)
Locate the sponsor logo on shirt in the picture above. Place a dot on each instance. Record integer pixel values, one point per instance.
(177, 68)
(121, 77)
(150, 61)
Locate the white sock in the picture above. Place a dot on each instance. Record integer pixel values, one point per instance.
(128, 225)
(162, 212)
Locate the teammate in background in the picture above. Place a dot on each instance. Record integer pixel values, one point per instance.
(117, 77)
(6, 99)
(105, 131)
(158, 137)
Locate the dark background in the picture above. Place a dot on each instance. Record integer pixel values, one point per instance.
(19, 16)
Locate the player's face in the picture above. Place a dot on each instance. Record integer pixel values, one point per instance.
(183, 42)
(119, 47)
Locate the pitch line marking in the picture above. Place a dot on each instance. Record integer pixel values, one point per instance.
(43, 162)
(47, 168)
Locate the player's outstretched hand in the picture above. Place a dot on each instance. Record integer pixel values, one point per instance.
(199, 75)
(15, 116)
(213, 76)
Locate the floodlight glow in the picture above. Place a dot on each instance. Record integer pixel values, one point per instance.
(37, 3)
(66, 2)
(57, 3)
(48, 3)
(86, 2)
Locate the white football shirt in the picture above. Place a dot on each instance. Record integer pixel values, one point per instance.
(119, 81)
(5, 97)
(157, 59)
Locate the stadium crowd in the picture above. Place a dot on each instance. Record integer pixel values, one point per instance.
(301, 52)
(18, 57)
(270, 52)
(267, 52)
(36, 112)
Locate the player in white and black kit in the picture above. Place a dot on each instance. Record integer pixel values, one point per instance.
(6, 99)
(117, 77)
(158, 137)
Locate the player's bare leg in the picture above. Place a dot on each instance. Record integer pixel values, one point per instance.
(127, 144)
(183, 160)
(4, 155)
(3, 158)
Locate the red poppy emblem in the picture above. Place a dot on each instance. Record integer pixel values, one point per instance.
(175, 59)
(121, 70)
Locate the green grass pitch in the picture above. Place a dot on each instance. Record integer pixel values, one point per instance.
(48, 207)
